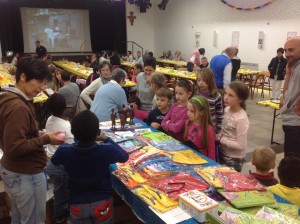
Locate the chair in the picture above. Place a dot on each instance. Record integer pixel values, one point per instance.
(267, 83)
(257, 82)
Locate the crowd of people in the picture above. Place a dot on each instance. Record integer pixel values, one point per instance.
(208, 115)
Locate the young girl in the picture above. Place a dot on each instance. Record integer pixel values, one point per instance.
(207, 88)
(235, 126)
(199, 132)
(174, 121)
(157, 81)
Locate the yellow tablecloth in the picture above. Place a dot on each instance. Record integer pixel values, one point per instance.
(74, 68)
(172, 62)
(168, 71)
(41, 98)
(248, 72)
(6, 78)
(268, 103)
(82, 71)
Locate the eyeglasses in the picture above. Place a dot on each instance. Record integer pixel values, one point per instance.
(40, 83)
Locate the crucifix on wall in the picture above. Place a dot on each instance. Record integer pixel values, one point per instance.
(131, 18)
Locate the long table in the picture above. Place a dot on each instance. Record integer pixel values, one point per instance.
(139, 207)
(81, 71)
(168, 71)
(275, 106)
(172, 62)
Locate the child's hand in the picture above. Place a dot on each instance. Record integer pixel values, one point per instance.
(155, 125)
(56, 138)
(101, 138)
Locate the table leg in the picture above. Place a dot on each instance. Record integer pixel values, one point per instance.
(273, 125)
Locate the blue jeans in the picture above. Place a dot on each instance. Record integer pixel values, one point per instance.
(100, 212)
(28, 193)
(61, 191)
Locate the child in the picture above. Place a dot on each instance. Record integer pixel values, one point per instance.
(56, 104)
(235, 126)
(135, 102)
(157, 80)
(264, 160)
(288, 173)
(164, 96)
(175, 120)
(95, 75)
(87, 164)
(199, 132)
(206, 87)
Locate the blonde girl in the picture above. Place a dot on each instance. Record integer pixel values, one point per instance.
(207, 88)
(235, 126)
(174, 121)
(199, 131)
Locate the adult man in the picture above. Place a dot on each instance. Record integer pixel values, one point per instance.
(40, 50)
(169, 55)
(236, 64)
(24, 159)
(70, 90)
(291, 91)
(129, 56)
(110, 96)
(139, 58)
(194, 59)
(222, 67)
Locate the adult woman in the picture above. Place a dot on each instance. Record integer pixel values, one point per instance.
(105, 74)
(24, 158)
(143, 84)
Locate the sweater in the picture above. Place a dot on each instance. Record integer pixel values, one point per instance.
(287, 193)
(92, 89)
(71, 93)
(108, 97)
(288, 115)
(88, 169)
(218, 64)
(234, 134)
(54, 124)
(277, 67)
(195, 136)
(174, 121)
(267, 180)
(23, 150)
(215, 108)
(144, 92)
(155, 116)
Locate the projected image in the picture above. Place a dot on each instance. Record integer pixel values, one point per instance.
(59, 30)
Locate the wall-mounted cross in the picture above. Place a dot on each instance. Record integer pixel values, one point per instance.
(131, 18)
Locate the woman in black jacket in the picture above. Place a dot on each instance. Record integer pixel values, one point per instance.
(277, 73)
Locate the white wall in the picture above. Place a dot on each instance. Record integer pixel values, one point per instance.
(142, 31)
(175, 27)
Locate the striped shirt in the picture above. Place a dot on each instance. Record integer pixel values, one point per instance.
(215, 107)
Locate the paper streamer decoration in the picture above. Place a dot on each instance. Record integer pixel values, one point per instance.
(246, 5)
(235, 38)
(197, 39)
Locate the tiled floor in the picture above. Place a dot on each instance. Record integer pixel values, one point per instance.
(260, 130)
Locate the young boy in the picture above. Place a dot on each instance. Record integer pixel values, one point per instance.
(56, 104)
(164, 97)
(288, 173)
(87, 164)
(264, 160)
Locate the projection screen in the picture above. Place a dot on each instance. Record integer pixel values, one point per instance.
(59, 30)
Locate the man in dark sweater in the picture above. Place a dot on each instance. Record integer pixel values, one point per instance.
(87, 164)
(40, 50)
